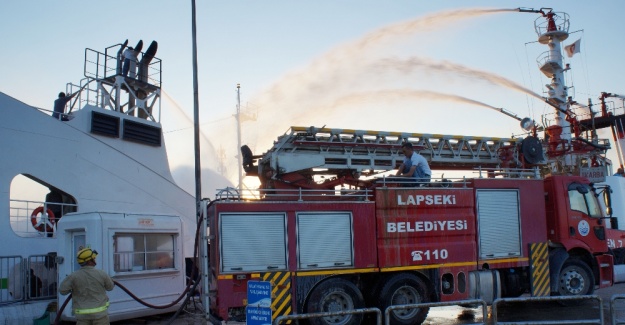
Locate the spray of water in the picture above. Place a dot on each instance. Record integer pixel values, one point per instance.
(406, 94)
(296, 96)
(421, 24)
(410, 65)
(183, 159)
(205, 142)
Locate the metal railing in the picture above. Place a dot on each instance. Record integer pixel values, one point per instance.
(31, 278)
(41, 274)
(613, 311)
(525, 300)
(299, 194)
(377, 311)
(21, 217)
(389, 309)
(11, 284)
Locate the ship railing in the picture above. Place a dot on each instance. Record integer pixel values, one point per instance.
(560, 22)
(31, 278)
(143, 87)
(21, 217)
(549, 57)
(87, 93)
(107, 65)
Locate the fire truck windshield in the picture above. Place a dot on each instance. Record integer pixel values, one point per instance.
(583, 199)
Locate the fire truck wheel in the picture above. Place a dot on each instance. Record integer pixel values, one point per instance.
(335, 295)
(575, 279)
(404, 289)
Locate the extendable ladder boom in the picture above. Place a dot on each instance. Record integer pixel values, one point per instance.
(371, 152)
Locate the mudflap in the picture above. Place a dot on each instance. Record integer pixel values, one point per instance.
(280, 293)
(539, 270)
(606, 270)
(557, 257)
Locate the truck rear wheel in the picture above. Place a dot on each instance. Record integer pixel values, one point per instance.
(404, 289)
(575, 279)
(335, 295)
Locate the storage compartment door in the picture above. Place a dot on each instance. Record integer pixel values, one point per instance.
(252, 242)
(498, 223)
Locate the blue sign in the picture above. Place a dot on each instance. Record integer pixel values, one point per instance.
(258, 315)
(259, 293)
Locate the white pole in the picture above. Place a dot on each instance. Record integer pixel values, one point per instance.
(240, 158)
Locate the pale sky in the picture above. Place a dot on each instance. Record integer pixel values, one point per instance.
(360, 64)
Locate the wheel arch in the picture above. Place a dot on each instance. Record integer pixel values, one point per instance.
(558, 256)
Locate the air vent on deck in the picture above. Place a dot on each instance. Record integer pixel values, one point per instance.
(104, 124)
(143, 133)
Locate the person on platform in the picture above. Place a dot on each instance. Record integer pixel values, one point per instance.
(130, 62)
(59, 106)
(619, 172)
(88, 287)
(414, 166)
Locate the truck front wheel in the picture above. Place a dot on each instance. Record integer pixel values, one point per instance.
(575, 279)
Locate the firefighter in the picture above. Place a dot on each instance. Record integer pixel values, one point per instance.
(414, 166)
(88, 286)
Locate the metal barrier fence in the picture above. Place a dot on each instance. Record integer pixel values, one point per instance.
(387, 312)
(525, 300)
(378, 313)
(42, 276)
(11, 285)
(615, 320)
(32, 278)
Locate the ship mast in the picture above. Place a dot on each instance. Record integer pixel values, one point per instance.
(552, 28)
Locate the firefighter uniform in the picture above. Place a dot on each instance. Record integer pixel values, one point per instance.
(88, 286)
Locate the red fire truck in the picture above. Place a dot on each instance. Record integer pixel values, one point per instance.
(330, 235)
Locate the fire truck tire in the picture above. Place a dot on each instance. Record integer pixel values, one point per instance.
(575, 279)
(332, 295)
(403, 289)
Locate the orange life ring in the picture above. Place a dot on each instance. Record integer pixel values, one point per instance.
(39, 227)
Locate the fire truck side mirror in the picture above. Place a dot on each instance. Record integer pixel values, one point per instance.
(607, 199)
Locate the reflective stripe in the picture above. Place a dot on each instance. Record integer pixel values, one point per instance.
(92, 310)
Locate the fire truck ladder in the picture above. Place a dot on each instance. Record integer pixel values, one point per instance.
(371, 152)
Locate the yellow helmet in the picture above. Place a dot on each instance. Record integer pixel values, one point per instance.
(86, 254)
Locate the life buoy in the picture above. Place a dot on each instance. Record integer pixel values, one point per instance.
(39, 226)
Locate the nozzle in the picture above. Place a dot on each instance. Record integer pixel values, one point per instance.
(522, 9)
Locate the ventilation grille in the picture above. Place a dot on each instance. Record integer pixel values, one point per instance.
(142, 133)
(105, 124)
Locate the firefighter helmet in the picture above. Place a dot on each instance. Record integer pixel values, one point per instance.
(86, 254)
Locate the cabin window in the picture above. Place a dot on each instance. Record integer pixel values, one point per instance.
(141, 252)
(582, 199)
